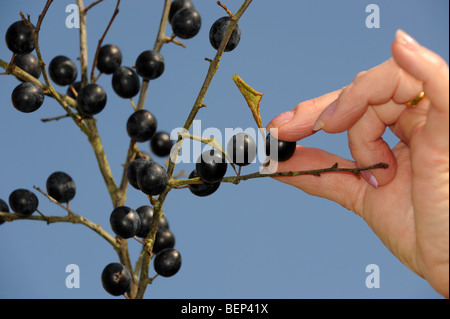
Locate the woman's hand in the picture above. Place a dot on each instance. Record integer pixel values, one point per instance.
(406, 205)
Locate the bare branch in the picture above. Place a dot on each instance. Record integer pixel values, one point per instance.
(100, 42)
(72, 217)
(57, 118)
(42, 15)
(92, 5)
(316, 172)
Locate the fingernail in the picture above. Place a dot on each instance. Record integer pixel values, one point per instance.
(368, 176)
(325, 116)
(407, 41)
(281, 119)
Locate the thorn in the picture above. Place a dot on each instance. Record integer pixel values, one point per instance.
(232, 16)
(172, 39)
(138, 240)
(133, 104)
(181, 187)
(72, 88)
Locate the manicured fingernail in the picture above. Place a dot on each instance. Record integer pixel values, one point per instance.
(281, 119)
(325, 116)
(368, 176)
(407, 41)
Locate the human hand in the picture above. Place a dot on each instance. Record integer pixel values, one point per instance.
(406, 205)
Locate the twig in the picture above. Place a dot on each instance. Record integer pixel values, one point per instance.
(92, 5)
(72, 217)
(133, 104)
(317, 172)
(172, 39)
(83, 44)
(42, 15)
(93, 136)
(162, 26)
(57, 118)
(100, 42)
(232, 16)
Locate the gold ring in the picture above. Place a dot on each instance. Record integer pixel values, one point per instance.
(419, 98)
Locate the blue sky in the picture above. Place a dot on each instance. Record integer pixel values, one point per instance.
(260, 239)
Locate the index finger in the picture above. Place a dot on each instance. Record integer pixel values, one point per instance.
(297, 124)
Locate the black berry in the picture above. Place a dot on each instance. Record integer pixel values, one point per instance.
(150, 65)
(186, 23)
(109, 58)
(61, 187)
(242, 149)
(19, 38)
(161, 144)
(62, 70)
(167, 262)
(29, 63)
(125, 222)
(202, 190)
(23, 202)
(4, 209)
(133, 170)
(211, 167)
(218, 31)
(152, 179)
(146, 215)
(27, 97)
(91, 100)
(116, 279)
(279, 150)
(141, 126)
(164, 239)
(177, 5)
(126, 82)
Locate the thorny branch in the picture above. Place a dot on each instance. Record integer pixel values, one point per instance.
(213, 67)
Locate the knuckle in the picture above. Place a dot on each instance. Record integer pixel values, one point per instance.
(436, 61)
(360, 76)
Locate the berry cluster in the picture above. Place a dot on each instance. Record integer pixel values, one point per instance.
(143, 173)
(128, 223)
(211, 166)
(23, 202)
